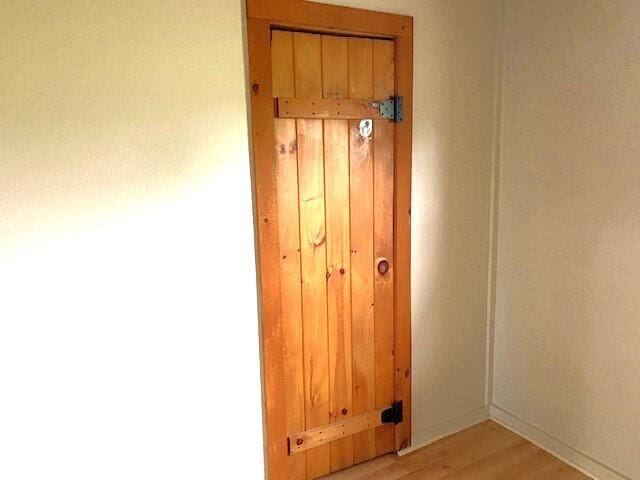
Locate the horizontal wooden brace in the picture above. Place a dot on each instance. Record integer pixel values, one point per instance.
(315, 437)
(325, 108)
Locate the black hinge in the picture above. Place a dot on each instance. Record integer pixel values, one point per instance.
(392, 414)
(393, 109)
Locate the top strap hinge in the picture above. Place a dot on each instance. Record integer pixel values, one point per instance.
(393, 109)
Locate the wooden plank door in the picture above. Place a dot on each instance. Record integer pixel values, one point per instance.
(335, 196)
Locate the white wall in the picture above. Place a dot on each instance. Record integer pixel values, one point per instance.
(454, 95)
(567, 333)
(128, 318)
(128, 313)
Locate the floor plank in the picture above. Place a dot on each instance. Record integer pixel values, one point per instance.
(486, 451)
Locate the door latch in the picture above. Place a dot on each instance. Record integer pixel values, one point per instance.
(392, 109)
(392, 414)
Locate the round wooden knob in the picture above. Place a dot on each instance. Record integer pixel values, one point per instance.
(383, 266)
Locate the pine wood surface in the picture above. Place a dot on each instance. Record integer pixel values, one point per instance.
(337, 309)
(342, 379)
(486, 451)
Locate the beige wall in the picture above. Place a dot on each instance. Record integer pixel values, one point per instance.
(567, 336)
(127, 274)
(454, 85)
(126, 232)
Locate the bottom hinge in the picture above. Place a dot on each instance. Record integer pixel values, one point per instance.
(392, 414)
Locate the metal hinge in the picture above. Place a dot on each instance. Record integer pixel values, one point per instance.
(393, 109)
(392, 414)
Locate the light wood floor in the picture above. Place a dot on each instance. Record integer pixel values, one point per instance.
(486, 451)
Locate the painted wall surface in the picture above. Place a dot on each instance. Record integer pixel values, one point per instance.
(127, 272)
(567, 333)
(454, 94)
(128, 318)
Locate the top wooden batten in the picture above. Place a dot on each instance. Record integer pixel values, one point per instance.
(330, 18)
(325, 108)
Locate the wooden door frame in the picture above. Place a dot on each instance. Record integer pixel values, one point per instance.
(262, 16)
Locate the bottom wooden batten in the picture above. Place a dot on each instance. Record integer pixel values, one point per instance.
(299, 442)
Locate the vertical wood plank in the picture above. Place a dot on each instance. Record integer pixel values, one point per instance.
(360, 68)
(335, 84)
(314, 285)
(362, 329)
(282, 69)
(335, 68)
(336, 140)
(307, 50)
(383, 69)
(383, 87)
(289, 232)
(290, 291)
(361, 185)
(308, 84)
(262, 135)
(402, 232)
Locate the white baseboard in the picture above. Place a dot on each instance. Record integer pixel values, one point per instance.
(587, 465)
(444, 429)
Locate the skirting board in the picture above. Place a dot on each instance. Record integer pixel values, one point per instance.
(557, 448)
(444, 429)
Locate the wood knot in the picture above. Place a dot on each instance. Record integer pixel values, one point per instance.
(342, 271)
(318, 240)
(345, 411)
(255, 87)
(383, 266)
(282, 149)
